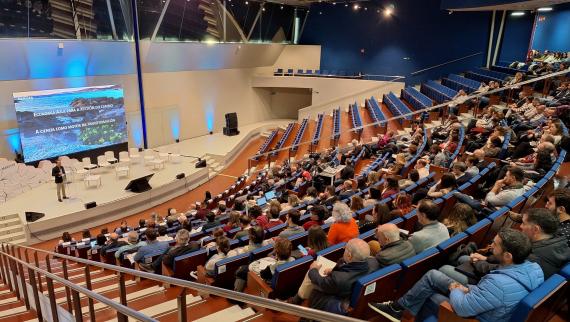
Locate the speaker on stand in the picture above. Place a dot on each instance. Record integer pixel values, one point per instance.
(231, 127)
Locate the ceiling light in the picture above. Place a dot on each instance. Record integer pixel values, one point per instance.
(355, 6)
(544, 9)
(246, 2)
(517, 13)
(281, 7)
(387, 12)
(346, 4)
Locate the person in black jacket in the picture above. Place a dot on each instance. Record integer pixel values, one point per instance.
(112, 243)
(182, 247)
(59, 173)
(332, 291)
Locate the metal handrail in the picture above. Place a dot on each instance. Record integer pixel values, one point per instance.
(394, 118)
(76, 288)
(446, 63)
(203, 288)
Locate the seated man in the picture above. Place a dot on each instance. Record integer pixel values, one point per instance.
(293, 225)
(503, 191)
(347, 191)
(211, 221)
(494, 298)
(332, 291)
(394, 249)
(461, 177)
(433, 232)
(181, 247)
(132, 244)
(152, 246)
(559, 203)
(421, 166)
(113, 242)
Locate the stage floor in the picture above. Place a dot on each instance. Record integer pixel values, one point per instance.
(111, 196)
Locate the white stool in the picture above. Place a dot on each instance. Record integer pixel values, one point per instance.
(122, 171)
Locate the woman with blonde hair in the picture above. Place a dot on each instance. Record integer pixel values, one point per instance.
(460, 218)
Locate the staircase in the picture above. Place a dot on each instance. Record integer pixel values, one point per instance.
(73, 19)
(12, 229)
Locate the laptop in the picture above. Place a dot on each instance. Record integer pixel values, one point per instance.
(270, 195)
(261, 201)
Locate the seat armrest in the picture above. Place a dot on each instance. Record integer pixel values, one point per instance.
(258, 286)
(203, 276)
(447, 314)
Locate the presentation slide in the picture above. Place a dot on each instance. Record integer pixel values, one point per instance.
(65, 121)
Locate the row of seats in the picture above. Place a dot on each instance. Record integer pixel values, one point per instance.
(437, 92)
(355, 117)
(418, 100)
(408, 166)
(265, 146)
(457, 83)
(284, 138)
(299, 136)
(478, 76)
(318, 129)
(396, 106)
(336, 124)
(492, 73)
(375, 111)
(310, 72)
(459, 145)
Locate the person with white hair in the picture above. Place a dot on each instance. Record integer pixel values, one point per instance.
(344, 228)
(182, 246)
(394, 248)
(332, 291)
(132, 244)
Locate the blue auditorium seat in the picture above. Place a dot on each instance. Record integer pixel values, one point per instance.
(379, 286)
(478, 231)
(415, 267)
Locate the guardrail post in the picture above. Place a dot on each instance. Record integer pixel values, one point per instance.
(14, 268)
(23, 279)
(67, 290)
(77, 306)
(37, 262)
(182, 316)
(37, 304)
(4, 267)
(51, 295)
(89, 287)
(122, 297)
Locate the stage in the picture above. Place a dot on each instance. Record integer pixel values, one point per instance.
(113, 202)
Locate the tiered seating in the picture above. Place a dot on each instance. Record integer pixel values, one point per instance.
(318, 129)
(437, 92)
(418, 100)
(284, 138)
(356, 119)
(299, 136)
(485, 75)
(396, 106)
(457, 83)
(265, 146)
(336, 124)
(407, 167)
(376, 112)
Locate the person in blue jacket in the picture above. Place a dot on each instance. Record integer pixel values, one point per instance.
(493, 299)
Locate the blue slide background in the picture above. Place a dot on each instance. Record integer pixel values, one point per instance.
(69, 121)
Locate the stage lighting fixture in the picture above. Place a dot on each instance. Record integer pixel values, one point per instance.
(545, 9)
(517, 13)
(389, 10)
(355, 7)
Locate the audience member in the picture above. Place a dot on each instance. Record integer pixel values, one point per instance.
(318, 214)
(433, 232)
(459, 218)
(183, 246)
(112, 243)
(394, 249)
(344, 227)
(293, 225)
(223, 246)
(559, 203)
(244, 224)
(133, 244)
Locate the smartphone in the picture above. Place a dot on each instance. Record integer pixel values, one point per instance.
(303, 250)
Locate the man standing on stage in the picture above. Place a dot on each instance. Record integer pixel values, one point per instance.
(59, 172)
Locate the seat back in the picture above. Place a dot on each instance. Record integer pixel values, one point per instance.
(410, 220)
(449, 246)
(261, 252)
(415, 267)
(86, 161)
(289, 276)
(225, 270)
(274, 231)
(187, 263)
(109, 256)
(299, 239)
(498, 219)
(541, 304)
(334, 253)
(379, 286)
(478, 231)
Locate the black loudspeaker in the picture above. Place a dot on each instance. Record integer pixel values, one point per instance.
(231, 127)
(180, 176)
(201, 164)
(90, 205)
(140, 184)
(33, 216)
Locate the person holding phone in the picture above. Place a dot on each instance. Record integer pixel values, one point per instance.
(59, 173)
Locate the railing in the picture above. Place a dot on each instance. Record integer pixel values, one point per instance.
(12, 270)
(14, 257)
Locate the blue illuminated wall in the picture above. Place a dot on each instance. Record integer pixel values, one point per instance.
(553, 29)
(418, 36)
(516, 37)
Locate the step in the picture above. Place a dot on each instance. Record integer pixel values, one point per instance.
(9, 300)
(165, 308)
(149, 291)
(82, 283)
(4, 231)
(231, 314)
(10, 222)
(9, 217)
(12, 237)
(13, 311)
(100, 290)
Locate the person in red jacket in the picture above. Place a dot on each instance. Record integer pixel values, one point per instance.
(344, 228)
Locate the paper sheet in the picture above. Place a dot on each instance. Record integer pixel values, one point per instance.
(325, 263)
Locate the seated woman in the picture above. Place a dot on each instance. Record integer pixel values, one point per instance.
(66, 238)
(381, 214)
(256, 240)
(292, 201)
(375, 195)
(391, 187)
(281, 255)
(356, 203)
(397, 166)
(344, 227)
(233, 221)
(459, 219)
(223, 245)
(445, 185)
